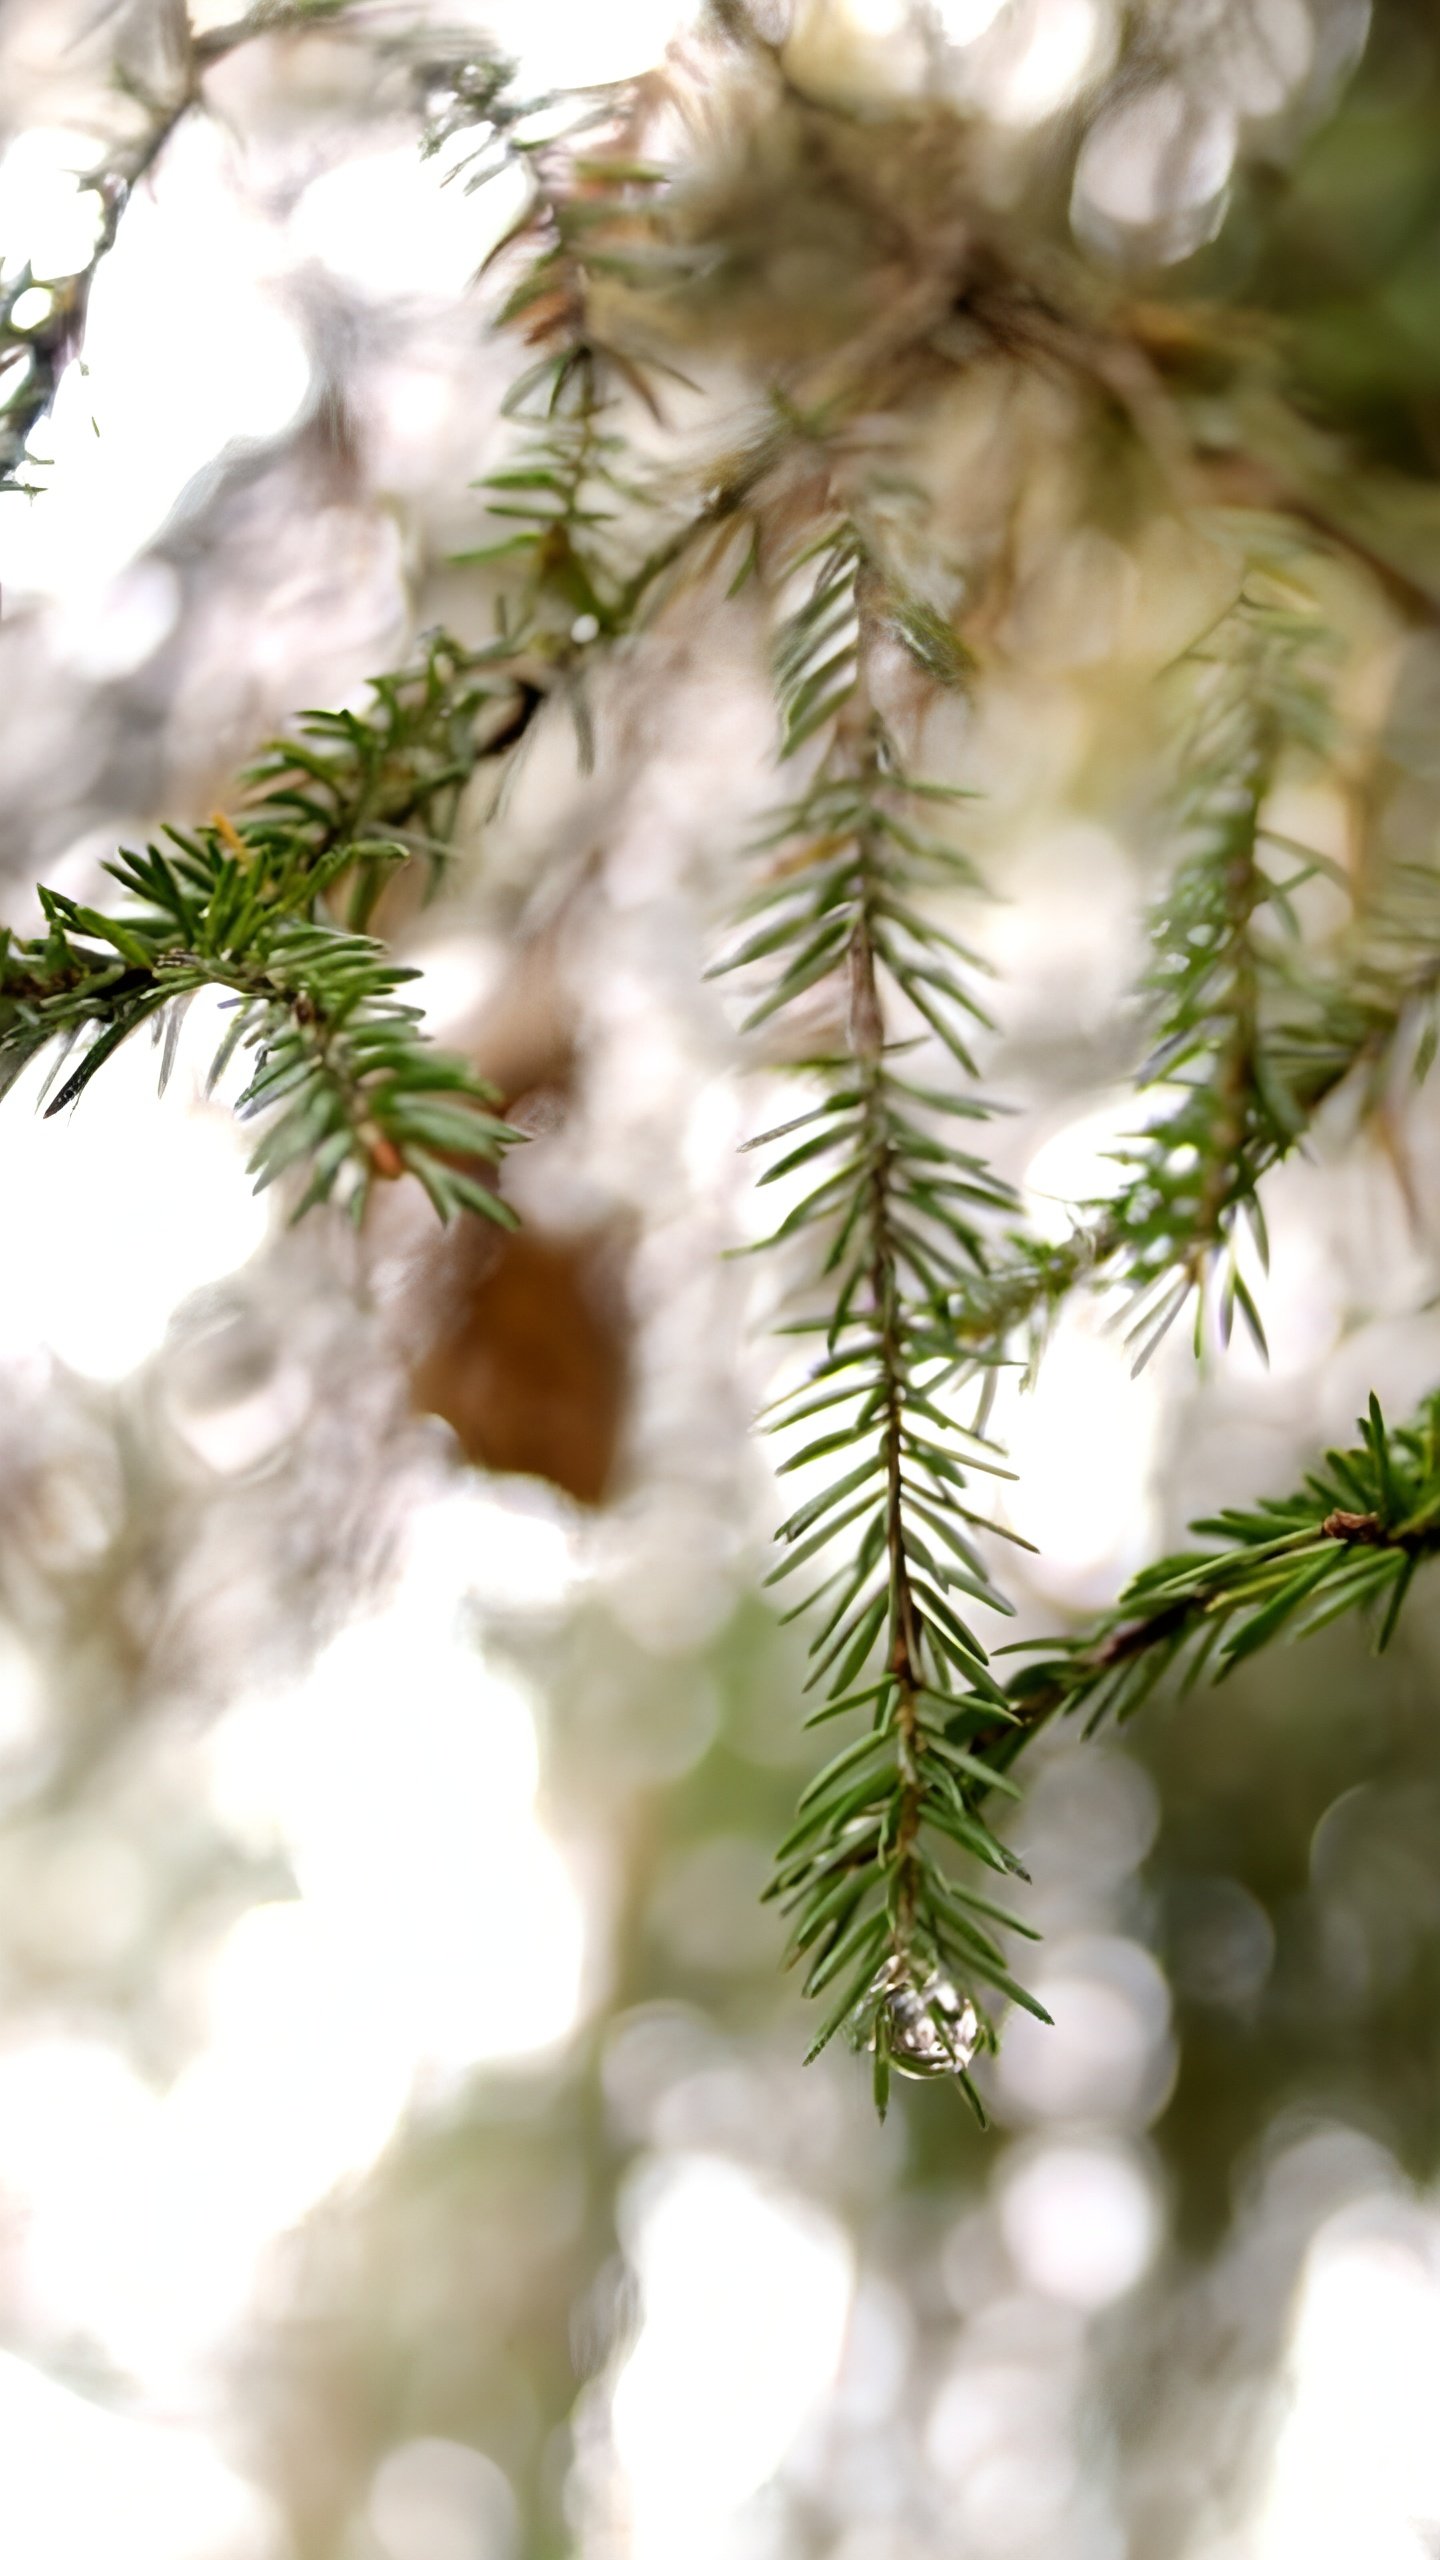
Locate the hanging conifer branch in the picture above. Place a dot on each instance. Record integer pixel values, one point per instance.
(1252, 1037)
(902, 1945)
(591, 240)
(247, 904)
(1221, 972)
(1359, 1032)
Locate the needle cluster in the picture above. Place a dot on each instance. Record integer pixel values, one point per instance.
(1349, 1539)
(343, 1075)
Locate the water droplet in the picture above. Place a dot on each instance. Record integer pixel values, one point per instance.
(932, 2030)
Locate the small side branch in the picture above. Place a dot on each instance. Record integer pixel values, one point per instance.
(1350, 1539)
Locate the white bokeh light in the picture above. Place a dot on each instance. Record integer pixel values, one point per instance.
(964, 20)
(153, 1193)
(1156, 169)
(1268, 54)
(745, 2295)
(436, 1928)
(1082, 1444)
(1075, 1166)
(1357, 2466)
(145, 2216)
(1108, 2058)
(48, 220)
(388, 222)
(190, 252)
(1081, 2219)
(432, 2499)
(1082, 1439)
(855, 49)
(76, 2480)
(1060, 49)
(569, 44)
(885, 21)
(401, 1781)
(107, 630)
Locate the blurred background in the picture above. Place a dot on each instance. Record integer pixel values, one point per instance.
(404, 2153)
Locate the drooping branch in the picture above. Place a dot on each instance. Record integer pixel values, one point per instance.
(886, 1916)
(1251, 1040)
(1222, 972)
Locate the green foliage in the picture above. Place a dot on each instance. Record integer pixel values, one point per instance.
(1351, 1538)
(880, 1872)
(928, 1283)
(1252, 1035)
(582, 246)
(342, 1071)
(350, 797)
(1224, 940)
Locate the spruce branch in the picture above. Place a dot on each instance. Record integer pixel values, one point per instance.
(246, 906)
(899, 1944)
(387, 784)
(1358, 1033)
(1252, 1039)
(552, 498)
(334, 807)
(593, 247)
(588, 248)
(1223, 939)
(878, 1873)
(1350, 1539)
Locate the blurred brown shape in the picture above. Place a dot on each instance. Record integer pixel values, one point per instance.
(528, 1362)
(522, 1342)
